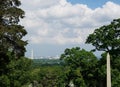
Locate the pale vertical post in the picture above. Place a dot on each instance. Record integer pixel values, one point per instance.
(108, 71)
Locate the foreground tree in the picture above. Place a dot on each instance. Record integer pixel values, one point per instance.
(13, 68)
(11, 33)
(115, 71)
(48, 76)
(19, 73)
(107, 38)
(82, 67)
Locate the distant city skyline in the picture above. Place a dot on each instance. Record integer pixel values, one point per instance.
(42, 57)
(55, 25)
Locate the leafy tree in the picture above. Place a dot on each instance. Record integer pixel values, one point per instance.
(4, 81)
(101, 70)
(13, 68)
(19, 73)
(11, 32)
(50, 76)
(82, 61)
(115, 72)
(106, 38)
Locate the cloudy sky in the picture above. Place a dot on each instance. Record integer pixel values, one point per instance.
(54, 25)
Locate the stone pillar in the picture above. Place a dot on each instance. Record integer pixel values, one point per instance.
(108, 71)
(71, 84)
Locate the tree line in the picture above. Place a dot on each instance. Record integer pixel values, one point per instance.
(81, 67)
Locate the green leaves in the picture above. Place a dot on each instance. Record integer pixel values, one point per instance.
(18, 73)
(12, 45)
(106, 38)
(82, 66)
(4, 81)
(11, 33)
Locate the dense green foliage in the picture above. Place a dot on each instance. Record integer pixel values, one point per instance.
(51, 76)
(47, 62)
(115, 71)
(107, 38)
(11, 33)
(14, 69)
(82, 65)
(19, 73)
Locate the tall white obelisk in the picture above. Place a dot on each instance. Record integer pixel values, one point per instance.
(108, 71)
(32, 55)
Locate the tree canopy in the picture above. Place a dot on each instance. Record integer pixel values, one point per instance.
(11, 32)
(14, 67)
(106, 38)
(82, 64)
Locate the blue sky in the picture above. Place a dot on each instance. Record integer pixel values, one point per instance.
(92, 3)
(56, 25)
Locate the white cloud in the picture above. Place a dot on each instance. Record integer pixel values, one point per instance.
(109, 11)
(63, 2)
(37, 4)
(60, 22)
